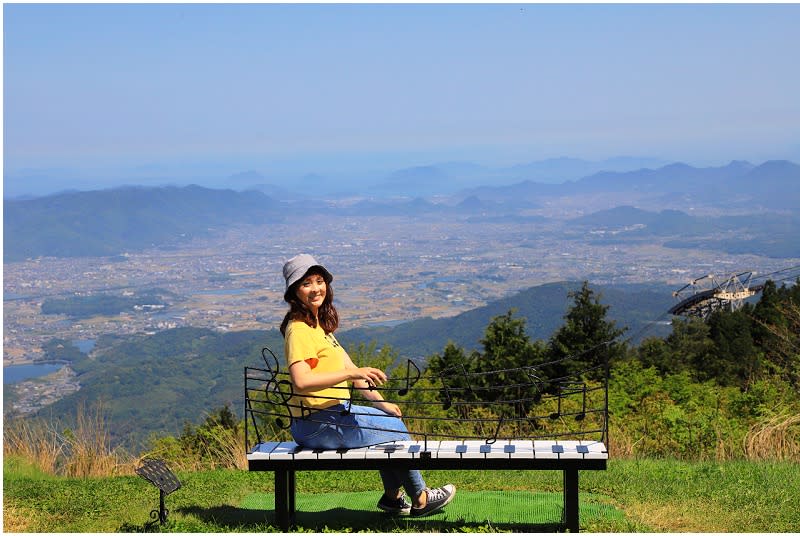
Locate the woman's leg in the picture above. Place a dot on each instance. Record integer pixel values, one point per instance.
(375, 427)
(362, 426)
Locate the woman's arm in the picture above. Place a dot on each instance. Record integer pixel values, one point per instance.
(304, 380)
(373, 396)
(361, 384)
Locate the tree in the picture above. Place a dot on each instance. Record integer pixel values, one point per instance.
(587, 342)
(689, 344)
(777, 330)
(452, 368)
(505, 371)
(502, 375)
(734, 359)
(654, 352)
(767, 313)
(505, 345)
(786, 343)
(452, 358)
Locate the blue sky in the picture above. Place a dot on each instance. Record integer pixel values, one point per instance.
(117, 90)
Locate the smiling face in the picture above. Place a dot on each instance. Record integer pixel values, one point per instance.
(311, 291)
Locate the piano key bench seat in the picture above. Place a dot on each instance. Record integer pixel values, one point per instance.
(568, 456)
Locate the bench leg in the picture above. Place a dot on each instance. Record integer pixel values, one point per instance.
(292, 495)
(571, 515)
(284, 498)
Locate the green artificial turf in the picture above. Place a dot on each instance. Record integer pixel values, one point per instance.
(513, 510)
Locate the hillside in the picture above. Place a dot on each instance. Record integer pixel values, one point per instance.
(769, 234)
(155, 384)
(636, 306)
(109, 222)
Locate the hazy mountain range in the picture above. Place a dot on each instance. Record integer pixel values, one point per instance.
(441, 178)
(772, 185)
(764, 199)
(450, 177)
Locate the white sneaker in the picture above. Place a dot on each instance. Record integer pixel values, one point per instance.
(437, 499)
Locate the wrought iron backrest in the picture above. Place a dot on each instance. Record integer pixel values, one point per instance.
(561, 399)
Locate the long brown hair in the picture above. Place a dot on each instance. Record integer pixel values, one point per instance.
(327, 315)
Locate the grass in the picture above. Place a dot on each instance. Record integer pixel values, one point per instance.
(631, 496)
(733, 496)
(528, 511)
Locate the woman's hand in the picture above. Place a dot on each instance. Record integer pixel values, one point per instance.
(371, 375)
(388, 407)
(304, 380)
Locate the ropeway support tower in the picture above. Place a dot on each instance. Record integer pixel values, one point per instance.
(707, 294)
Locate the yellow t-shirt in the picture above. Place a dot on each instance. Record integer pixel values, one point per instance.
(323, 354)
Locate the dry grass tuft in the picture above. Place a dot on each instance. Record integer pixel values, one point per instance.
(232, 453)
(620, 443)
(777, 438)
(89, 448)
(84, 451)
(33, 440)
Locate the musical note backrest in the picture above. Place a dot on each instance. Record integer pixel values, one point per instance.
(458, 404)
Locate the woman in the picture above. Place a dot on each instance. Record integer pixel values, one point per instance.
(321, 371)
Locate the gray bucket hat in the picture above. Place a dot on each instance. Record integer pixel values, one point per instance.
(298, 266)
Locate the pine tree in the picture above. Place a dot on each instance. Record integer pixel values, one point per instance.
(587, 342)
(735, 358)
(452, 369)
(689, 344)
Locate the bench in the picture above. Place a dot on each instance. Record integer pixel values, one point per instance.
(568, 456)
(563, 427)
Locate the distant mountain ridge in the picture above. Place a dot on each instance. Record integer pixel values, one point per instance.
(663, 222)
(449, 177)
(773, 184)
(110, 222)
(673, 177)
